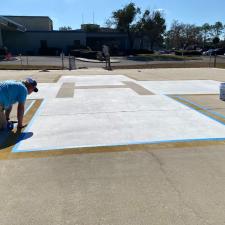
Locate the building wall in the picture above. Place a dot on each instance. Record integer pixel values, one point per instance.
(30, 42)
(112, 39)
(33, 42)
(1, 40)
(33, 23)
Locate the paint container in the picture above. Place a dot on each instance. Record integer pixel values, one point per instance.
(222, 91)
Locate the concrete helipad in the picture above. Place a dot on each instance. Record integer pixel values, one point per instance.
(100, 110)
(117, 148)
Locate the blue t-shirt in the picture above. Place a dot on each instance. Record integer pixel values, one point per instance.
(12, 92)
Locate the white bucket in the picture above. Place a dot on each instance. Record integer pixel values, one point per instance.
(222, 91)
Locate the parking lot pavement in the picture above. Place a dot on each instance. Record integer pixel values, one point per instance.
(116, 61)
(178, 182)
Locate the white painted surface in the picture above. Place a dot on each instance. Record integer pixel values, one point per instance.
(45, 91)
(53, 131)
(103, 94)
(80, 130)
(101, 117)
(90, 80)
(182, 87)
(107, 104)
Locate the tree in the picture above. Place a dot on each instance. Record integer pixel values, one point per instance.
(224, 32)
(205, 30)
(192, 36)
(123, 19)
(153, 26)
(175, 36)
(216, 40)
(184, 36)
(217, 29)
(90, 27)
(65, 28)
(109, 23)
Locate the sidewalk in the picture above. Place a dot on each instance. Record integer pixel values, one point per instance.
(96, 61)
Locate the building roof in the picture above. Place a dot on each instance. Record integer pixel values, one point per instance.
(8, 24)
(28, 16)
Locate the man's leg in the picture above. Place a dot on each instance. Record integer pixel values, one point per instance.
(108, 67)
(3, 121)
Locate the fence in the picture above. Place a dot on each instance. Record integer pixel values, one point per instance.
(72, 63)
(53, 62)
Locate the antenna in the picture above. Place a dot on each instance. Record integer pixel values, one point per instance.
(93, 18)
(82, 18)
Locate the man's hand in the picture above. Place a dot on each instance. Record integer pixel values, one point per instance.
(20, 127)
(20, 113)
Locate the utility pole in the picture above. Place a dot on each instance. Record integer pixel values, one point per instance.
(82, 18)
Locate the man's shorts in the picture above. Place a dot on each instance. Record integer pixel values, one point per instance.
(3, 121)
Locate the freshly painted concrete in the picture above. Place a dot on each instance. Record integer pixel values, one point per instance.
(90, 80)
(182, 87)
(118, 116)
(46, 90)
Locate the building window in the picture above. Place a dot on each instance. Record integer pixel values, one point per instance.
(44, 44)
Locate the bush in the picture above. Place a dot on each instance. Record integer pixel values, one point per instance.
(50, 51)
(75, 53)
(139, 51)
(89, 54)
(3, 51)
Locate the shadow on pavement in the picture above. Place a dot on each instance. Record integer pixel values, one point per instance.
(10, 138)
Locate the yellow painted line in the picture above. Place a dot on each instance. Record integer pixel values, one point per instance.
(137, 88)
(11, 140)
(142, 147)
(66, 90)
(7, 154)
(198, 108)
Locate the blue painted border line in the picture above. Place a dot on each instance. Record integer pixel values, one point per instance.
(15, 149)
(201, 108)
(5, 134)
(121, 144)
(27, 110)
(23, 135)
(29, 107)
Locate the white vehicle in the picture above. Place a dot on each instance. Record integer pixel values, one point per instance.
(209, 52)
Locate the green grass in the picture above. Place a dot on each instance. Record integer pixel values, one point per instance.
(156, 57)
(169, 65)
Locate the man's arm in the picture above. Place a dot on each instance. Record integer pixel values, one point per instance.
(20, 113)
(7, 112)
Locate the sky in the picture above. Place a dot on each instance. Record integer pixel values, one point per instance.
(75, 12)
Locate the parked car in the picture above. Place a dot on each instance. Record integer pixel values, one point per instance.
(217, 51)
(165, 52)
(208, 52)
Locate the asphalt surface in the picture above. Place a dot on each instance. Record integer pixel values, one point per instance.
(120, 61)
(161, 184)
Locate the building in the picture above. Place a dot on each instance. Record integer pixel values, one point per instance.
(34, 35)
(31, 23)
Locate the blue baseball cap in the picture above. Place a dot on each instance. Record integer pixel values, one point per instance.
(33, 83)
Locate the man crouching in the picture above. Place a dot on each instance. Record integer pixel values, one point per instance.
(12, 92)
